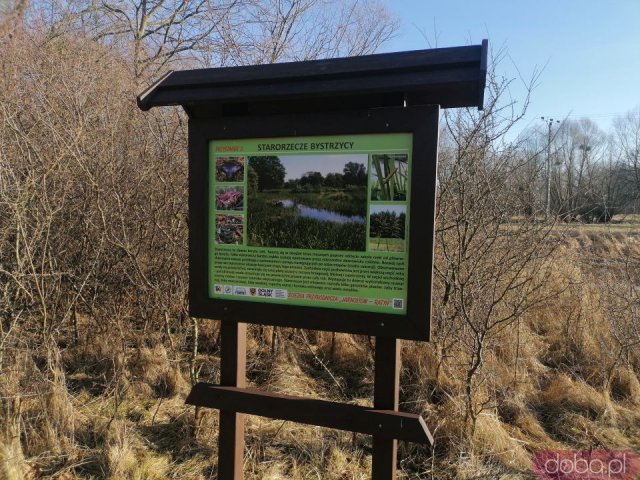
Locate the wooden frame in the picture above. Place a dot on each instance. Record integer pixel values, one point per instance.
(384, 422)
(421, 121)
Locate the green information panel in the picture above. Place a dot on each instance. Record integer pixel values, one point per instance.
(317, 221)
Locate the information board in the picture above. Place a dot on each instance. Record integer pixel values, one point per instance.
(320, 221)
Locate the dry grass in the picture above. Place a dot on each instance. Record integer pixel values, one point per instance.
(12, 464)
(126, 457)
(105, 409)
(152, 369)
(119, 413)
(111, 405)
(494, 443)
(625, 386)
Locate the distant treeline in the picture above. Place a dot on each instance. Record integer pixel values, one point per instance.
(387, 225)
(267, 172)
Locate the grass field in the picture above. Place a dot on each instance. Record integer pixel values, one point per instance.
(386, 244)
(557, 383)
(273, 225)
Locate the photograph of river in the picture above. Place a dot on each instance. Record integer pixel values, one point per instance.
(307, 201)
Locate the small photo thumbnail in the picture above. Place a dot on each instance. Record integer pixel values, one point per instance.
(230, 198)
(230, 169)
(229, 229)
(387, 228)
(389, 177)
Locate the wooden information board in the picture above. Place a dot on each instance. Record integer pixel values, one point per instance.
(265, 262)
(312, 192)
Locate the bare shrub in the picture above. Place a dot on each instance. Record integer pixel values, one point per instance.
(490, 269)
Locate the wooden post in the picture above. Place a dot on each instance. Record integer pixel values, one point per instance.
(386, 395)
(233, 361)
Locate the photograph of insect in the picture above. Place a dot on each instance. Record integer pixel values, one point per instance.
(230, 169)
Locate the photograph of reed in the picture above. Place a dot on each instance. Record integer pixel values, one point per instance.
(389, 177)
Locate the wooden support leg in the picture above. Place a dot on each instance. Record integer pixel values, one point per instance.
(233, 360)
(386, 396)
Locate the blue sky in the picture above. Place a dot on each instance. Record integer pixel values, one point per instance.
(298, 165)
(398, 209)
(589, 49)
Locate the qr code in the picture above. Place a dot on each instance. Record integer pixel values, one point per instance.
(398, 303)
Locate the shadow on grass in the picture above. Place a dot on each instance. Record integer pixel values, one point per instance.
(179, 438)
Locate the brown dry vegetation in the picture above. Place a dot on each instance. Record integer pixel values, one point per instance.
(537, 328)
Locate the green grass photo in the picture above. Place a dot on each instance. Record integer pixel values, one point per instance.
(387, 228)
(307, 201)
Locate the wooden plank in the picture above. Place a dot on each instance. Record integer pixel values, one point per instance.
(459, 80)
(323, 413)
(447, 96)
(386, 394)
(456, 76)
(334, 67)
(233, 355)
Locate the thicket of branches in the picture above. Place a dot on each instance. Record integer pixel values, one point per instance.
(593, 174)
(93, 229)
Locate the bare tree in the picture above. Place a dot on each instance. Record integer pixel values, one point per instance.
(627, 141)
(490, 268)
(578, 150)
(153, 33)
(156, 33)
(11, 14)
(271, 31)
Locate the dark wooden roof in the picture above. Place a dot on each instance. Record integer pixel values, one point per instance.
(450, 77)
